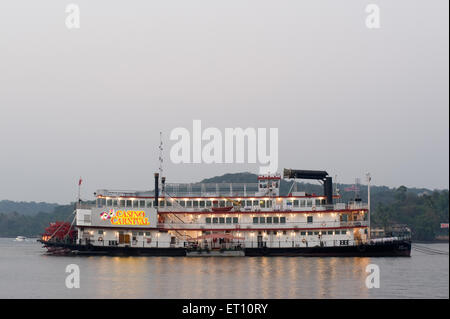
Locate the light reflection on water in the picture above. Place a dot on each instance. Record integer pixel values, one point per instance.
(26, 273)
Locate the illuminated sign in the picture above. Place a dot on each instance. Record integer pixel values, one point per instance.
(125, 217)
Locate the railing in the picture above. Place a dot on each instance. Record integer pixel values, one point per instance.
(246, 226)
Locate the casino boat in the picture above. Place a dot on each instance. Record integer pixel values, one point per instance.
(223, 219)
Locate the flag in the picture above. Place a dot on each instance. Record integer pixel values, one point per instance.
(79, 182)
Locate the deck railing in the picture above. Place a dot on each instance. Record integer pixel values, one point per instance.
(247, 226)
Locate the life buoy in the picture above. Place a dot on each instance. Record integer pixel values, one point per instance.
(100, 239)
(303, 240)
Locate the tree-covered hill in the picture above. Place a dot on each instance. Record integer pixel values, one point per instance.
(26, 208)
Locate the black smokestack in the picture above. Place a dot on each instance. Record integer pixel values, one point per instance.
(328, 189)
(155, 204)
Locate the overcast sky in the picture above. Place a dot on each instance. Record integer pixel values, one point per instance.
(345, 98)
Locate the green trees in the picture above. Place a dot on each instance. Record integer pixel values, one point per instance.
(423, 212)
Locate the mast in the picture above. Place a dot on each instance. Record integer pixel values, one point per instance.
(369, 178)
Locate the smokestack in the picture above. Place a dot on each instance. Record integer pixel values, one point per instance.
(328, 189)
(155, 204)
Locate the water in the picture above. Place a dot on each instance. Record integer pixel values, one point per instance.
(25, 272)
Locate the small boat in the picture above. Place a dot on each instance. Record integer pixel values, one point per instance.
(21, 238)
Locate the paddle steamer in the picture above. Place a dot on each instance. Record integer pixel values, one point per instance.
(223, 219)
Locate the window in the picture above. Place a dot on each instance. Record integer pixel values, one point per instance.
(337, 232)
(215, 220)
(202, 203)
(115, 202)
(228, 220)
(295, 202)
(317, 202)
(142, 203)
(147, 233)
(100, 232)
(249, 203)
(324, 201)
(329, 232)
(255, 220)
(309, 219)
(269, 220)
(128, 203)
(109, 202)
(189, 204)
(162, 203)
(316, 233)
(262, 220)
(309, 202)
(208, 220)
(310, 233)
(135, 203)
(149, 203)
(303, 233)
(284, 232)
(276, 220)
(195, 204)
(282, 220)
(208, 203)
(235, 220)
(262, 204)
(343, 232)
(182, 203)
(169, 203)
(141, 233)
(302, 203)
(269, 204)
(221, 220)
(255, 203)
(122, 203)
(222, 203)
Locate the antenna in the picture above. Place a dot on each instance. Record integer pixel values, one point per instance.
(369, 178)
(161, 159)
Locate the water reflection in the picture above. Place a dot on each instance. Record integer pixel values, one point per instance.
(25, 272)
(260, 277)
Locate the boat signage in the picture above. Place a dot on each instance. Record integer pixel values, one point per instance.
(125, 217)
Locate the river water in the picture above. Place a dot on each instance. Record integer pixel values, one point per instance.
(27, 272)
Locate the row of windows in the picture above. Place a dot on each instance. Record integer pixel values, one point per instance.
(234, 220)
(269, 220)
(310, 233)
(141, 233)
(222, 220)
(204, 203)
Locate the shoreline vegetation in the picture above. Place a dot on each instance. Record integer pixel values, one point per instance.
(421, 209)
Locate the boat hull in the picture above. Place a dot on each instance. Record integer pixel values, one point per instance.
(390, 249)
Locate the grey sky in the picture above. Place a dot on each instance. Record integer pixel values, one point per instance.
(346, 99)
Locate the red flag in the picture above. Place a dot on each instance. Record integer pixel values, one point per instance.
(79, 182)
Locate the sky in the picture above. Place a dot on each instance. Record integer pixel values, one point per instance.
(347, 99)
